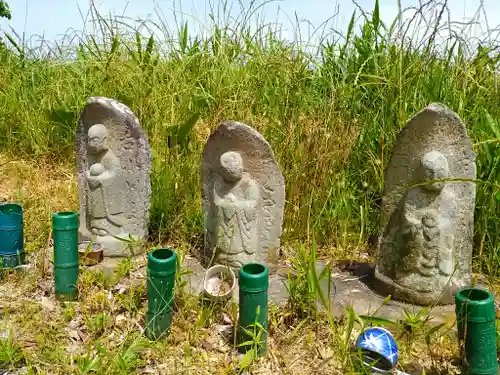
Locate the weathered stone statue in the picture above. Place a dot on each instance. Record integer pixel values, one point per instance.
(427, 217)
(243, 198)
(113, 163)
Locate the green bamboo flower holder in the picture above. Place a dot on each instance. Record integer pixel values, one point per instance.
(65, 234)
(475, 311)
(253, 307)
(162, 265)
(11, 236)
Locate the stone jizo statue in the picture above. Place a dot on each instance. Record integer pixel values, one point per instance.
(427, 218)
(236, 197)
(243, 198)
(427, 229)
(114, 162)
(103, 176)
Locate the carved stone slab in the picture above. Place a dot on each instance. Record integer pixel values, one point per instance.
(243, 198)
(113, 164)
(425, 244)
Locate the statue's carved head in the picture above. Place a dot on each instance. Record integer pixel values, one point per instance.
(97, 137)
(435, 167)
(231, 166)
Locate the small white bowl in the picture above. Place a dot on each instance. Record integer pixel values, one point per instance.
(219, 282)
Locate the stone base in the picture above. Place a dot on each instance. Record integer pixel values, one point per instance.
(356, 289)
(349, 288)
(109, 265)
(111, 246)
(385, 286)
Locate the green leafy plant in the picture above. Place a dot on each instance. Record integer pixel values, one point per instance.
(415, 323)
(126, 358)
(254, 331)
(132, 243)
(90, 363)
(178, 135)
(4, 10)
(99, 323)
(89, 247)
(11, 355)
(305, 285)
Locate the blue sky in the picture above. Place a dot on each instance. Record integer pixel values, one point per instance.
(52, 18)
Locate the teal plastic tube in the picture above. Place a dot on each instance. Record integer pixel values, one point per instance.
(11, 235)
(475, 310)
(162, 265)
(253, 306)
(65, 233)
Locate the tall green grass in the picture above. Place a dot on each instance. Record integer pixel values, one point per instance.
(331, 119)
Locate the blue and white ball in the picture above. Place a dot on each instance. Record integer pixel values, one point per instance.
(378, 344)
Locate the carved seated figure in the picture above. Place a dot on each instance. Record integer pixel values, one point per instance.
(105, 202)
(427, 232)
(236, 199)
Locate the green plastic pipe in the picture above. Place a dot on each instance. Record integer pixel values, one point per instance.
(162, 264)
(11, 235)
(65, 233)
(253, 301)
(475, 311)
